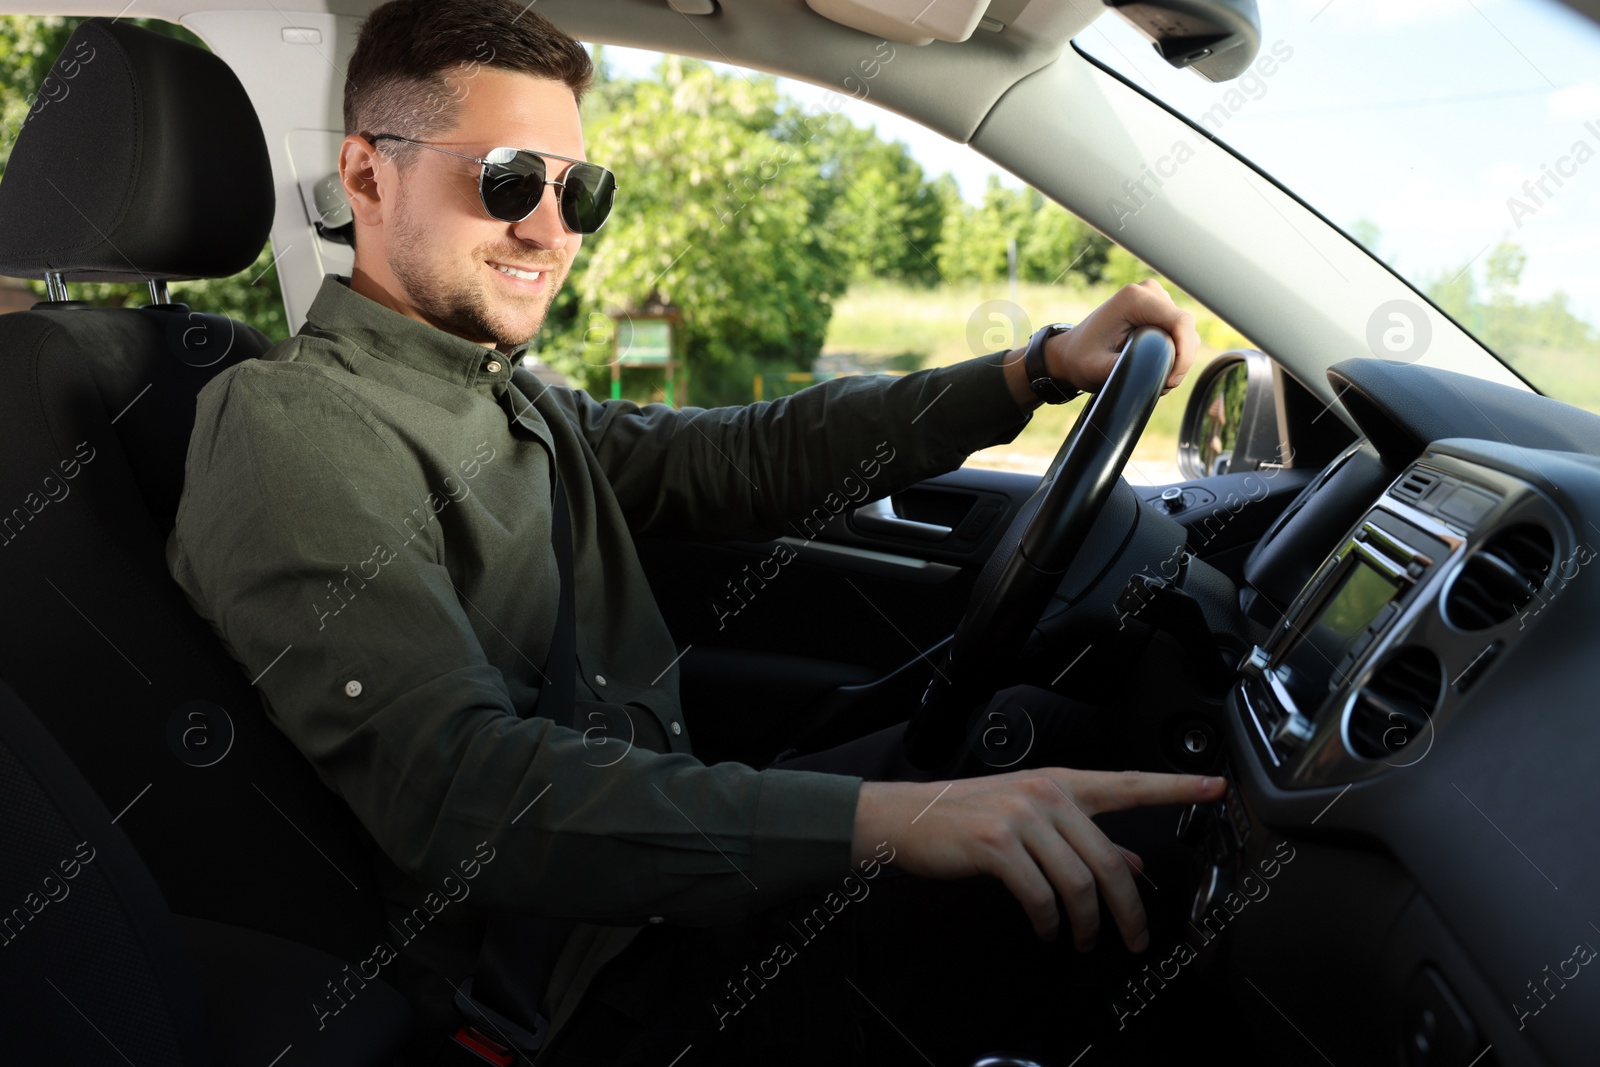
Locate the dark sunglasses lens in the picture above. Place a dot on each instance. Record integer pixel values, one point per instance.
(586, 197)
(512, 189)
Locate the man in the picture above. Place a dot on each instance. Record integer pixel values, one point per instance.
(371, 520)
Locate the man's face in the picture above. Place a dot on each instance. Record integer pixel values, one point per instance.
(443, 250)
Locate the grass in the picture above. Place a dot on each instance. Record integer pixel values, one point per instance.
(875, 325)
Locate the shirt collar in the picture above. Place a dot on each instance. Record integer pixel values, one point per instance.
(389, 335)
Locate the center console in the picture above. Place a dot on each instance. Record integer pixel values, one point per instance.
(1447, 571)
(1442, 575)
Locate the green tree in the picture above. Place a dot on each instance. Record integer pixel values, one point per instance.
(975, 238)
(1122, 267)
(884, 210)
(721, 211)
(1052, 243)
(1544, 339)
(1059, 245)
(29, 46)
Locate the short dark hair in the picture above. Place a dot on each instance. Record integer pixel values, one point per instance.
(396, 81)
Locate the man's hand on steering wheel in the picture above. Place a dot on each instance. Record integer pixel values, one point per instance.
(1084, 355)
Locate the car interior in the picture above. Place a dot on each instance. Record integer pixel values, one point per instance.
(1363, 603)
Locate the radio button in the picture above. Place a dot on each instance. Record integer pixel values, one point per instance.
(1293, 730)
(1216, 884)
(1467, 505)
(1254, 665)
(1341, 674)
(1191, 825)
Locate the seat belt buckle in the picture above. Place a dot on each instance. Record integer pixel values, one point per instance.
(483, 1048)
(510, 1036)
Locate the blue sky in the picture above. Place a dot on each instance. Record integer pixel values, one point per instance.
(1424, 117)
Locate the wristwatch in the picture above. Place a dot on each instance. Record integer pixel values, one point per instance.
(1043, 385)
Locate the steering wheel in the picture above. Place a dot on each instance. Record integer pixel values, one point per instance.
(1027, 566)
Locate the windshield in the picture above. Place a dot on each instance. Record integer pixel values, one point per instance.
(1457, 141)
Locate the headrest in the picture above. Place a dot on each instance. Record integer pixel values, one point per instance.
(141, 159)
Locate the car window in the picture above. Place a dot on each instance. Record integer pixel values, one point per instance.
(763, 240)
(1456, 141)
(797, 240)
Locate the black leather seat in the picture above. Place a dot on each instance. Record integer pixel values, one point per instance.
(151, 167)
(93, 967)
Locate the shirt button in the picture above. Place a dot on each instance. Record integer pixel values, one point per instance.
(657, 919)
(599, 679)
(352, 688)
(677, 728)
(493, 366)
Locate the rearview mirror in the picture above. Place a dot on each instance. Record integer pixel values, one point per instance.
(1217, 39)
(1234, 422)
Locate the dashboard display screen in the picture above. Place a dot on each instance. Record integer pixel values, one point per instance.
(1345, 616)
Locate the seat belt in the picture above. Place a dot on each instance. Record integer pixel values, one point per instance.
(519, 952)
(561, 662)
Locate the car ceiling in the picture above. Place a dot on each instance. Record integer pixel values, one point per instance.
(952, 88)
(947, 87)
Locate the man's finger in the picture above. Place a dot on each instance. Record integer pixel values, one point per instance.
(1072, 878)
(1149, 304)
(1101, 791)
(1111, 873)
(1186, 343)
(1021, 875)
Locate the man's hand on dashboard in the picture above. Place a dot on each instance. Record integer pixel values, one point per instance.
(1085, 354)
(1032, 830)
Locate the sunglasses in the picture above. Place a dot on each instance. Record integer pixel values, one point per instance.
(512, 183)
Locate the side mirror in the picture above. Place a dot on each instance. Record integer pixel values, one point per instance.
(1235, 420)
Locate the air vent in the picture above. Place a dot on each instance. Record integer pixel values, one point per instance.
(1416, 483)
(1393, 712)
(1501, 577)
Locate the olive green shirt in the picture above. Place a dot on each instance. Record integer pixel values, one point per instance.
(366, 523)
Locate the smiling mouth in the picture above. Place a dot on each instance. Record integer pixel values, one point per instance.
(525, 275)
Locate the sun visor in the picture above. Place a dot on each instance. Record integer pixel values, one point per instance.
(906, 21)
(1217, 39)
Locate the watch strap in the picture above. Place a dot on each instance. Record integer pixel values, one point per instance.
(1045, 387)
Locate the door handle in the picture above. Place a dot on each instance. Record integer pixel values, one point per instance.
(879, 517)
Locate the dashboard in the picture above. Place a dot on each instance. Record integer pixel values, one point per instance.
(1415, 748)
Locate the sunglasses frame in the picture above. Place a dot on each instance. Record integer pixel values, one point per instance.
(484, 164)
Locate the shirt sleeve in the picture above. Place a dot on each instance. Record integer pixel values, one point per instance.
(752, 470)
(287, 511)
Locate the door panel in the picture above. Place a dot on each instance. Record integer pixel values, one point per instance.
(771, 629)
(865, 592)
